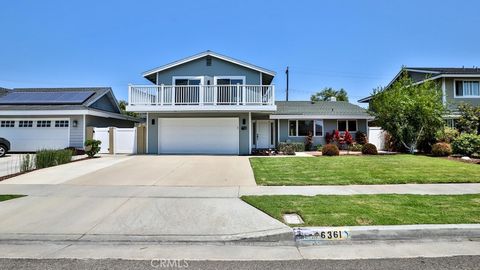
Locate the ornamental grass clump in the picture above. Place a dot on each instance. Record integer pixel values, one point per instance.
(47, 158)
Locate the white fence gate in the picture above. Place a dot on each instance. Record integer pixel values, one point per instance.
(124, 140)
(376, 136)
(102, 134)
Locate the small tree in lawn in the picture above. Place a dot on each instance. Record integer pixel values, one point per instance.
(409, 112)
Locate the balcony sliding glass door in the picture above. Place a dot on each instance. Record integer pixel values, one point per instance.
(229, 90)
(187, 91)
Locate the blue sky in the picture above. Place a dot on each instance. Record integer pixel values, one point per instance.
(357, 45)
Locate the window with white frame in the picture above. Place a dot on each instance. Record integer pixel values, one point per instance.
(25, 123)
(344, 125)
(7, 123)
(467, 88)
(61, 123)
(44, 123)
(297, 128)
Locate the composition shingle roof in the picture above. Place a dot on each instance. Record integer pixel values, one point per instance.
(98, 91)
(334, 108)
(448, 70)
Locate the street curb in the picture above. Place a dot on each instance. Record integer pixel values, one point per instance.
(311, 235)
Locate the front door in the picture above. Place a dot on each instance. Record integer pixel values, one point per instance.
(264, 134)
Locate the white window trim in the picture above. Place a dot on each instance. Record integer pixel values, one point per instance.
(314, 128)
(356, 121)
(216, 78)
(455, 88)
(201, 78)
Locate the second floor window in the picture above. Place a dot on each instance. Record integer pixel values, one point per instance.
(467, 88)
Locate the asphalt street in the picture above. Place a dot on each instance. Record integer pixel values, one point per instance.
(459, 262)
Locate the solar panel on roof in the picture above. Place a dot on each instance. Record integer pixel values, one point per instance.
(45, 97)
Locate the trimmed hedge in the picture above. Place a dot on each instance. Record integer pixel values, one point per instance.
(296, 146)
(441, 150)
(369, 149)
(330, 150)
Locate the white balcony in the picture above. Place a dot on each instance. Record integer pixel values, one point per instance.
(151, 98)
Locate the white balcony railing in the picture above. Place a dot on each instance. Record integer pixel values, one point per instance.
(201, 95)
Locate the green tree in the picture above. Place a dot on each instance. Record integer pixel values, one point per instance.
(123, 109)
(329, 92)
(409, 112)
(469, 121)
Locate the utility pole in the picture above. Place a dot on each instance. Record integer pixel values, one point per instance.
(286, 72)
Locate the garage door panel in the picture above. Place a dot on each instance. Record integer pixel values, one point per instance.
(198, 135)
(30, 139)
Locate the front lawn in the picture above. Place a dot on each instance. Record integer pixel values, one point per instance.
(385, 209)
(9, 197)
(347, 170)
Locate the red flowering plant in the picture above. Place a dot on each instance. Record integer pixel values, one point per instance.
(328, 138)
(347, 139)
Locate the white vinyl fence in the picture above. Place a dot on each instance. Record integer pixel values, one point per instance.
(124, 140)
(376, 136)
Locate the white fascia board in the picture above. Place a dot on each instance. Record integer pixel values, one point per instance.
(60, 112)
(180, 109)
(203, 54)
(301, 116)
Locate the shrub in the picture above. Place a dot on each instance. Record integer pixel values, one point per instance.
(361, 137)
(369, 149)
(355, 147)
(48, 158)
(93, 147)
(347, 138)
(297, 146)
(330, 150)
(441, 150)
(466, 144)
(289, 149)
(319, 147)
(446, 134)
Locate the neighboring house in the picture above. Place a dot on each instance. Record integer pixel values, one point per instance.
(56, 118)
(213, 104)
(459, 85)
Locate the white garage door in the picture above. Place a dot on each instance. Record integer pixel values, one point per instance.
(28, 135)
(198, 136)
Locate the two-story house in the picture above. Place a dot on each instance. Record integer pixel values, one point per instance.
(459, 85)
(213, 104)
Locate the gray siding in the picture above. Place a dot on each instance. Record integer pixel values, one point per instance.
(105, 104)
(329, 126)
(453, 102)
(96, 121)
(153, 129)
(218, 68)
(76, 133)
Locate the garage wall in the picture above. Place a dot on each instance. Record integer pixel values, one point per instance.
(76, 133)
(152, 132)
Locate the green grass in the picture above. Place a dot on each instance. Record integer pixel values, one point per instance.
(9, 197)
(391, 209)
(347, 170)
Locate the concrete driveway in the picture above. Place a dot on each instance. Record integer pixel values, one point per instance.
(173, 171)
(146, 171)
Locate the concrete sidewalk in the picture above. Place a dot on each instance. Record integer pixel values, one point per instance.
(233, 191)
